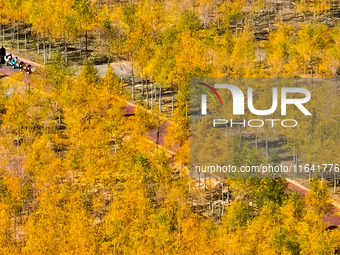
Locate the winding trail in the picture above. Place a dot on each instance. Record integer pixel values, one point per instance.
(333, 219)
(8, 70)
(157, 136)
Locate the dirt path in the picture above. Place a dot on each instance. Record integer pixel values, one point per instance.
(8, 70)
(157, 136)
(333, 219)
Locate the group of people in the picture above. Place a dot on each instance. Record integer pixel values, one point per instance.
(9, 60)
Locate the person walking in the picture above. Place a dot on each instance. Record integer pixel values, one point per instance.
(2, 54)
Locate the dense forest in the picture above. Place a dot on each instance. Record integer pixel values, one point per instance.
(79, 176)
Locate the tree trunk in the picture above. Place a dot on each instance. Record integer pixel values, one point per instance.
(44, 52)
(199, 184)
(38, 46)
(65, 51)
(296, 163)
(12, 36)
(86, 43)
(160, 99)
(228, 195)
(267, 151)
(3, 36)
(172, 103)
(222, 211)
(147, 93)
(133, 84)
(334, 183)
(49, 51)
(210, 197)
(151, 95)
(141, 78)
(205, 181)
(18, 44)
(26, 39)
(155, 96)
(80, 48)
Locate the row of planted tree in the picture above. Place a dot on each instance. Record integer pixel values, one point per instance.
(77, 176)
(173, 41)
